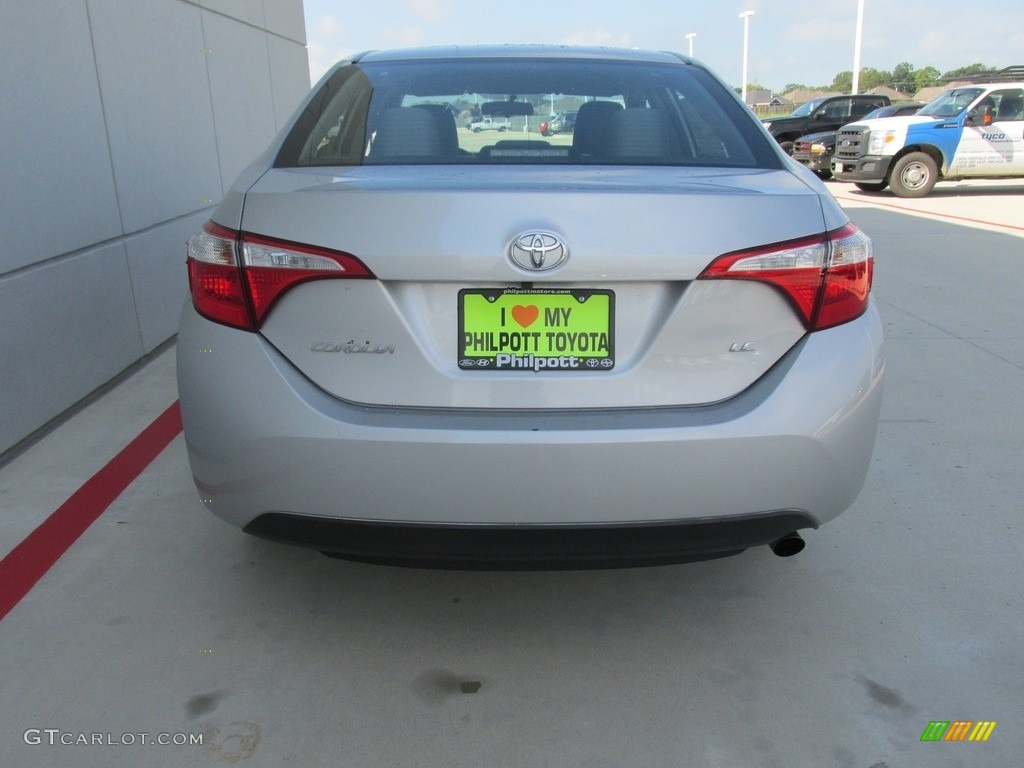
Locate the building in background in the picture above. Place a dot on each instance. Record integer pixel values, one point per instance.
(124, 122)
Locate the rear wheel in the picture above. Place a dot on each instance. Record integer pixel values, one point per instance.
(871, 186)
(913, 175)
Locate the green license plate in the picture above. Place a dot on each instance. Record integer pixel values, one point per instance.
(520, 329)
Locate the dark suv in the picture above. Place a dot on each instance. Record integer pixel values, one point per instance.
(825, 114)
(815, 150)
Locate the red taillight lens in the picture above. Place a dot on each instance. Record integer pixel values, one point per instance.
(848, 278)
(273, 266)
(239, 293)
(215, 278)
(827, 278)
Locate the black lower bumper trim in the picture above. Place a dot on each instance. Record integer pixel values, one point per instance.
(530, 547)
(866, 169)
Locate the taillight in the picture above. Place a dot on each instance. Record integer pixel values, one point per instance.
(215, 278)
(240, 291)
(827, 278)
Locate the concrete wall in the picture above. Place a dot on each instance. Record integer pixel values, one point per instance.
(123, 122)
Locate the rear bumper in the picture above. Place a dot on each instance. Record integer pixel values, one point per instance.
(816, 163)
(262, 439)
(868, 169)
(529, 547)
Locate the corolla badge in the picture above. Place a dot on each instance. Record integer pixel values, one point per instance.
(538, 251)
(352, 347)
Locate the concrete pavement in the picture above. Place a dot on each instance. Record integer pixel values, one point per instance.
(161, 621)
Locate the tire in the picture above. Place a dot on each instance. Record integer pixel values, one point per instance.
(787, 147)
(871, 186)
(823, 175)
(913, 175)
(502, 129)
(476, 130)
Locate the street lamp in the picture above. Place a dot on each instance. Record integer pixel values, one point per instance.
(689, 37)
(856, 45)
(746, 39)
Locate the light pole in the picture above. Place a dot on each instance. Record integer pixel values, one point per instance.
(746, 40)
(856, 45)
(689, 37)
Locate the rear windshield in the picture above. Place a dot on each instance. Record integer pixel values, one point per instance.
(525, 111)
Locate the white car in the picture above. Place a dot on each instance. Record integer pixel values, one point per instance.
(656, 344)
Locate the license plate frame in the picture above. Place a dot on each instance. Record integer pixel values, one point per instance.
(536, 329)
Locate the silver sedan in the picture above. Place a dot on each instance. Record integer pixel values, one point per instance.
(411, 343)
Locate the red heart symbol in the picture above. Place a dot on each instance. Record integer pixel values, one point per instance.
(525, 315)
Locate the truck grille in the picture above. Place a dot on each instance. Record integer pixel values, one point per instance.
(851, 143)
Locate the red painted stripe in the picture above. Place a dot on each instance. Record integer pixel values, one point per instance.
(28, 562)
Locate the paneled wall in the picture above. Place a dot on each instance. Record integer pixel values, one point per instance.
(122, 122)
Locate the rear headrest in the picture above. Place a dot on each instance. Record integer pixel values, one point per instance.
(590, 136)
(639, 133)
(447, 133)
(406, 132)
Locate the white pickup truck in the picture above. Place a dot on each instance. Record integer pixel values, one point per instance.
(487, 123)
(971, 131)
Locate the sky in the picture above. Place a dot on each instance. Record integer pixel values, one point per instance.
(791, 41)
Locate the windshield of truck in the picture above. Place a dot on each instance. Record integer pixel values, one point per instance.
(806, 108)
(951, 103)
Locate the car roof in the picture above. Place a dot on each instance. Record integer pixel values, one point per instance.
(520, 52)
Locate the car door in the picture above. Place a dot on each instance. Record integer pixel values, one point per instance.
(995, 149)
(835, 113)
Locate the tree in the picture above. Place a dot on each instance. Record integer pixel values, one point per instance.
(843, 82)
(903, 78)
(872, 78)
(970, 69)
(926, 78)
(793, 86)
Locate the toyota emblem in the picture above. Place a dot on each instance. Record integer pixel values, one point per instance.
(538, 251)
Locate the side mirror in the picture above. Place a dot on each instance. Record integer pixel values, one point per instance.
(979, 116)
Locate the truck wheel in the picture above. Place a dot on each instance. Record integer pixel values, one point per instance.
(476, 130)
(502, 129)
(913, 175)
(787, 147)
(871, 186)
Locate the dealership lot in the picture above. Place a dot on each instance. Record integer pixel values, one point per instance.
(163, 624)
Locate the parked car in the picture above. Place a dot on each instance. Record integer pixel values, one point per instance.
(815, 150)
(827, 113)
(562, 122)
(656, 344)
